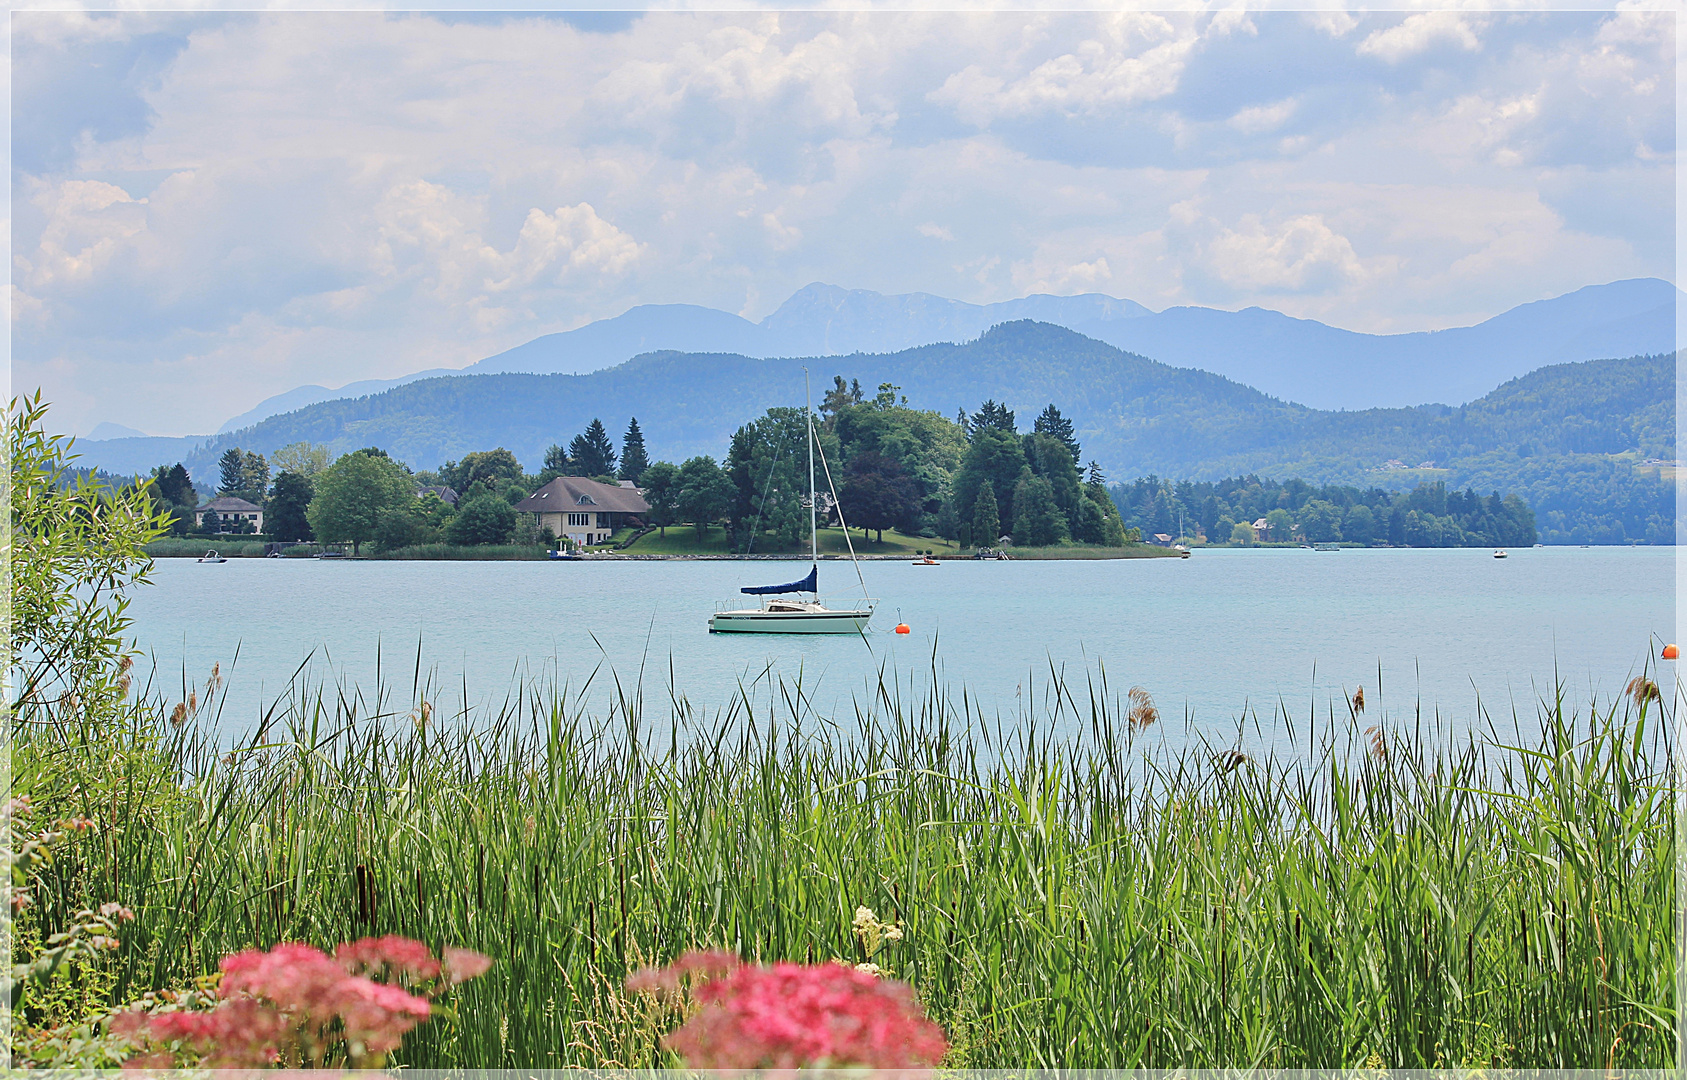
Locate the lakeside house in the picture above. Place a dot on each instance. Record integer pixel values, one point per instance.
(446, 495)
(229, 514)
(1262, 531)
(585, 511)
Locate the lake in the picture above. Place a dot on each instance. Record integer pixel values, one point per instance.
(1223, 633)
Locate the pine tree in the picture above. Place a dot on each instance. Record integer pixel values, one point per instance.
(986, 523)
(633, 459)
(592, 454)
(254, 473)
(232, 466)
(992, 416)
(556, 461)
(1052, 423)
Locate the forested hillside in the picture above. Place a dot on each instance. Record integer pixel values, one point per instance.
(1566, 437)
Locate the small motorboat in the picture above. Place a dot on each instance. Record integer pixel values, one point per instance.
(564, 556)
(1500, 554)
(211, 556)
(926, 561)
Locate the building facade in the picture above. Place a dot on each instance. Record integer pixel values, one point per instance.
(584, 511)
(229, 515)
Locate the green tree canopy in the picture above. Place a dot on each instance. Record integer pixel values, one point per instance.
(705, 492)
(1038, 520)
(591, 453)
(286, 513)
(232, 467)
(986, 519)
(482, 519)
(490, 468)
(995, 457)
(1050, 422)
(351, 495)
(300, 458)
(661, 490)
(633, 458)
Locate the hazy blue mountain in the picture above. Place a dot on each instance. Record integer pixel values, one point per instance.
(1134, 415)
(137, 455)
(646, 328)
(299, 397)
(1328, 368)
(1294, 359)
(108, 430)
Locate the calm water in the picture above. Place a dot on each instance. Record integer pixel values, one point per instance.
(1209, 636)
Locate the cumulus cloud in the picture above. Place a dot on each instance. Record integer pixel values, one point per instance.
(1298, 255)
(1139, 57)
(1417, 33)
(322, 197)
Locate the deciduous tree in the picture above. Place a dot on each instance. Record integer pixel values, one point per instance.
(351, 495)
(661, 490)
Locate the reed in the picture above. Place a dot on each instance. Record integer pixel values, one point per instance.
(1099, 899)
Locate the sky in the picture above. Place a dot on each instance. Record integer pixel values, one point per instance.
(209, 208)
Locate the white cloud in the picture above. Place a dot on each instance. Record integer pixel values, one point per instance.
(321, 197)
(1258, 119)
(1419, 32)
(1300, 254)
(1139, 57)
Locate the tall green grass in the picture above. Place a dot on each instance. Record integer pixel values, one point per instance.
(1102, 900)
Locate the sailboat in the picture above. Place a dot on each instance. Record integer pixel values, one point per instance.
(801, 615)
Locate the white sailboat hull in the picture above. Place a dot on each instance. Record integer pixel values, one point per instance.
(758, 621)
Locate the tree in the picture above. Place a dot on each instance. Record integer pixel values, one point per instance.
(768, 467)
(633, 459)
(948, 524)
(1050, 422)
(285, 512)
(483, 519)
(1242, 533)
(254, 471)
(77, 548)
(1320, 521)
(838, 398)
(301, 459)
(994, 459)
(993, 417)
(490, 468)
(351, 495)
(661, 490)
(591, 453)
(172, 491)
(1050, 459)
(1281, 524)
(1038, 520)
(986, 522)
(705, 492)
(1359, 524)
(877, 494)
(556, 463)
(232, 466)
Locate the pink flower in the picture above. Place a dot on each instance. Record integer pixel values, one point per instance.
(793, 1016)
(390, 954)
(461, 965)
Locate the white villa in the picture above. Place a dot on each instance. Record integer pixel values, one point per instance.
(229, 514)
(582, 510)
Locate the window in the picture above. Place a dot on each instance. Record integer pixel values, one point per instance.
(579, 519)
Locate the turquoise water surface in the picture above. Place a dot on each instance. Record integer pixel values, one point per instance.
(1210, 637)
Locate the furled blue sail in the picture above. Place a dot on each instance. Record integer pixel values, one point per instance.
(808, 584)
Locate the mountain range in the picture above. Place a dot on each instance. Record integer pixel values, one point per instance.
(1133, 415)
(1297, 360)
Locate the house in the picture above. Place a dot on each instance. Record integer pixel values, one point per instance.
(1163, 539)
(582, 510)
(229, 515)
(447, 495)
(1262, 531)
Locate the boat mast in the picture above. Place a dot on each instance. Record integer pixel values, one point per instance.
(813, 500)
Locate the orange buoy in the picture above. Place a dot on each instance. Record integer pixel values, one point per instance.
(1671, 652)
(902, 628)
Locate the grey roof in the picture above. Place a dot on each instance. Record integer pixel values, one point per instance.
(576, 493)
(228, 504)
(447, 495)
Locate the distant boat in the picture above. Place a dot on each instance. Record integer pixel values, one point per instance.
(1500, 554)
(211, 556)
(330, 555)
(563, 556)
(1326, 547)
(927, 561)
(780, 616)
